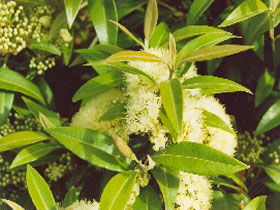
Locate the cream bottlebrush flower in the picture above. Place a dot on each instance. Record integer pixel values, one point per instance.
(89, 115)
(82, 205)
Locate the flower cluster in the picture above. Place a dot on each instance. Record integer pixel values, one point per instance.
(142, 118)
(82, 205)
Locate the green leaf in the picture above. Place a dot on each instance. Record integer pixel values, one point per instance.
(46, 46)
(237, 179)
(92, 146)
(36, 109)
(198, 159)
(197, 8)
(121, 67)
(39, 190)
(205, 40)
(45, 90)
(244, 11)
(160, 35)
(132, 56)
(151, 18)
(273, 171)
(257, 203)
(101, 11)
(272, 186)
(6, 103)
(147, 200)
(172, 100)
(12, 204)
(215, 121)
(264, 87)
(270, 119)
(212, 52)
(98, 85)
(212, 85)
(117, 192)
(168, 181)
(72, 9)
(20, 139)
(11, 80)
(32, 153)
(116, 112)
(71, 196)
(166, 121)
(60, 22)
(128, 33)
(125, 7)
(190, 31)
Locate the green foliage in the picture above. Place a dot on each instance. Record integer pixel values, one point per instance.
(6, 103)
(198, 7)
(148, 200)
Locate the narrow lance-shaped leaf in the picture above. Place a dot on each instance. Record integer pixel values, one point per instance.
(12, 204)
(147, 200)
(117, 192)
(72, 9)
(270, 119)
(273, 171)
(101, 11)
(46, 46)
(244, 11)
(20, 139)
(213, 85)
(168, 180)
(151, 18)
(39, 190)
(198, 159)
(125, 7)
(98, 85)
(172, 50)
(166, 121)
(257, 203)
(6, 103)
(121, 67)
(264, 87)
(215, 121)
(128, 33)
(172, 100)
(160, 35)
(132, 56)
(208, 53)
(71, 196)
(11, 80)
(92, 146)
(116, 112)
(206, 40)
(32, 153)
(197, 8)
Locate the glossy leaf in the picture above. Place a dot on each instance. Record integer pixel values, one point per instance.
(273, 171)
(209, 53)
(168, 180)
(19, 139)
(205, 40)
(117, 192)
(190, 31)
(166, 121)
(151, 18)
(72, 9)
(270, 119)
(6, 103)
(101, 11)
(244, 11)
(46, 91)
(147, 200)
(264, 87)
(133, 56)
(36, 109)
(160, 35)
(39, 190)
(125, 68)
(11, 80)
(212, 85)
(32, 153)
(257, 203)
(125, 7)
(128, 33)
(172, 100)
(58, 23)
(12, 204)
(46, 46)
(212, 120)
(92, 146)
(198, 158)
(71, 196)
(98, 85)
(116, 112)
(197, 8)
